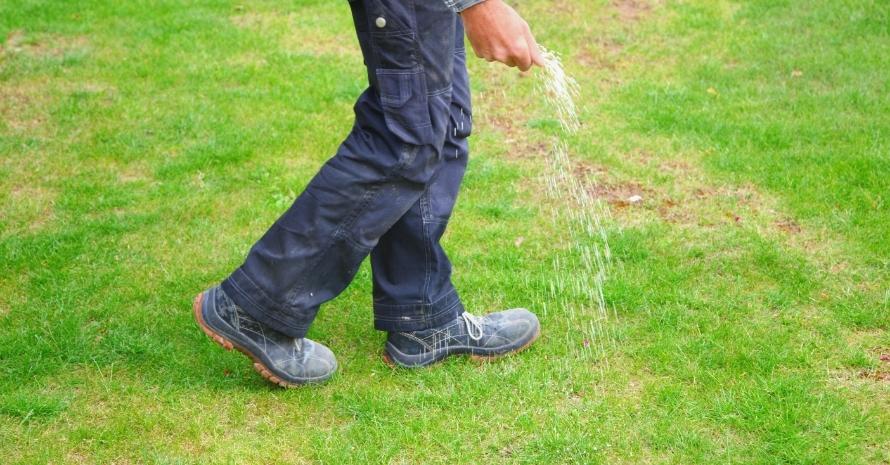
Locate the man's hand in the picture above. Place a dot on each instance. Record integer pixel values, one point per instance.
(498, 33)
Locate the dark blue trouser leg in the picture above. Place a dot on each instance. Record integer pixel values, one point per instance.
(394, 151)
(412, 273)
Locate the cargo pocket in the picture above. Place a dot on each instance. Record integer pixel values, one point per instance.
(405, 107)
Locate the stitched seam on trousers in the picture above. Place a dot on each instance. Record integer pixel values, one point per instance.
(427, 252)
(428, 266)
(416, 307)
(355, 244)
(349, 221)
(366, 199)
(412, 29)
(419, 319)
(438, 92)
(417, 51)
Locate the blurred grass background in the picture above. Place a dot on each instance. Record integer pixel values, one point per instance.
(145, 145)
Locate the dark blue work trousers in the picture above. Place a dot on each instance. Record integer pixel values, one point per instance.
(387, 192)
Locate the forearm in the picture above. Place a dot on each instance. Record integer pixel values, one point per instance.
(461, 5)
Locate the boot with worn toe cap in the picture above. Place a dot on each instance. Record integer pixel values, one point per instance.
(483, 337)
(281, 359)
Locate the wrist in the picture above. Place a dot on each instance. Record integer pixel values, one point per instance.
(470, 7)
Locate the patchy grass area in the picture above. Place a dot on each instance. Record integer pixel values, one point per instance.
(145, 145)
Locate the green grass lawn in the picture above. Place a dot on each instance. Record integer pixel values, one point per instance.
(144, 146)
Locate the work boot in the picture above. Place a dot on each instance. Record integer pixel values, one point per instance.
(281, 359)
(486, 337)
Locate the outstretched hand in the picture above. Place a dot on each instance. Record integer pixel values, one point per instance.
(498, 33)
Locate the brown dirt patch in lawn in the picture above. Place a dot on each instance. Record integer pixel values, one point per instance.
(6, 293)
(316, 41)
(41, 45)
(631, 10)
(620, 194)
(586, 170)
(788, 225)
(247, 60)
(678, 191)
(873, 342)
(308, 32)
(28, 208)
(494, 112)
(24, 105)
(875, 375)
(602, 54)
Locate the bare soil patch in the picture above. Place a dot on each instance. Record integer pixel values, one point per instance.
(875, 375)
(631, 10)
(789, 226)
(23, 105)
(587, 170)
(620, 194)
(30, 207)
(44, 45)
(601, 54)
(299, 33)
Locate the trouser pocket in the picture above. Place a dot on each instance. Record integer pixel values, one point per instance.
(403, 96)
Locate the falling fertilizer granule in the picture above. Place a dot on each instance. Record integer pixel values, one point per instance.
(580, 269)
(560, 90)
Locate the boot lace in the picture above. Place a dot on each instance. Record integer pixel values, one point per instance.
(474, 326)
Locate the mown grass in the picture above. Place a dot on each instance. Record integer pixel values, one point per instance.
(145, 145)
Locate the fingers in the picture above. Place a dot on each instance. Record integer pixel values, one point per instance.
(525, 52)
(523, 59)
(501, 55)
(523, 48)
(536, 57)
(498, 33)
(516, 56)
(520, 52)
(509, 60)
(525, 64)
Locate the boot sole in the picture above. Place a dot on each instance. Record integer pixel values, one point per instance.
(475, 357)
(229, 345)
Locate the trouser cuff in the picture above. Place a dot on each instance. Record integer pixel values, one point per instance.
(417, 317)
(242, 290)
